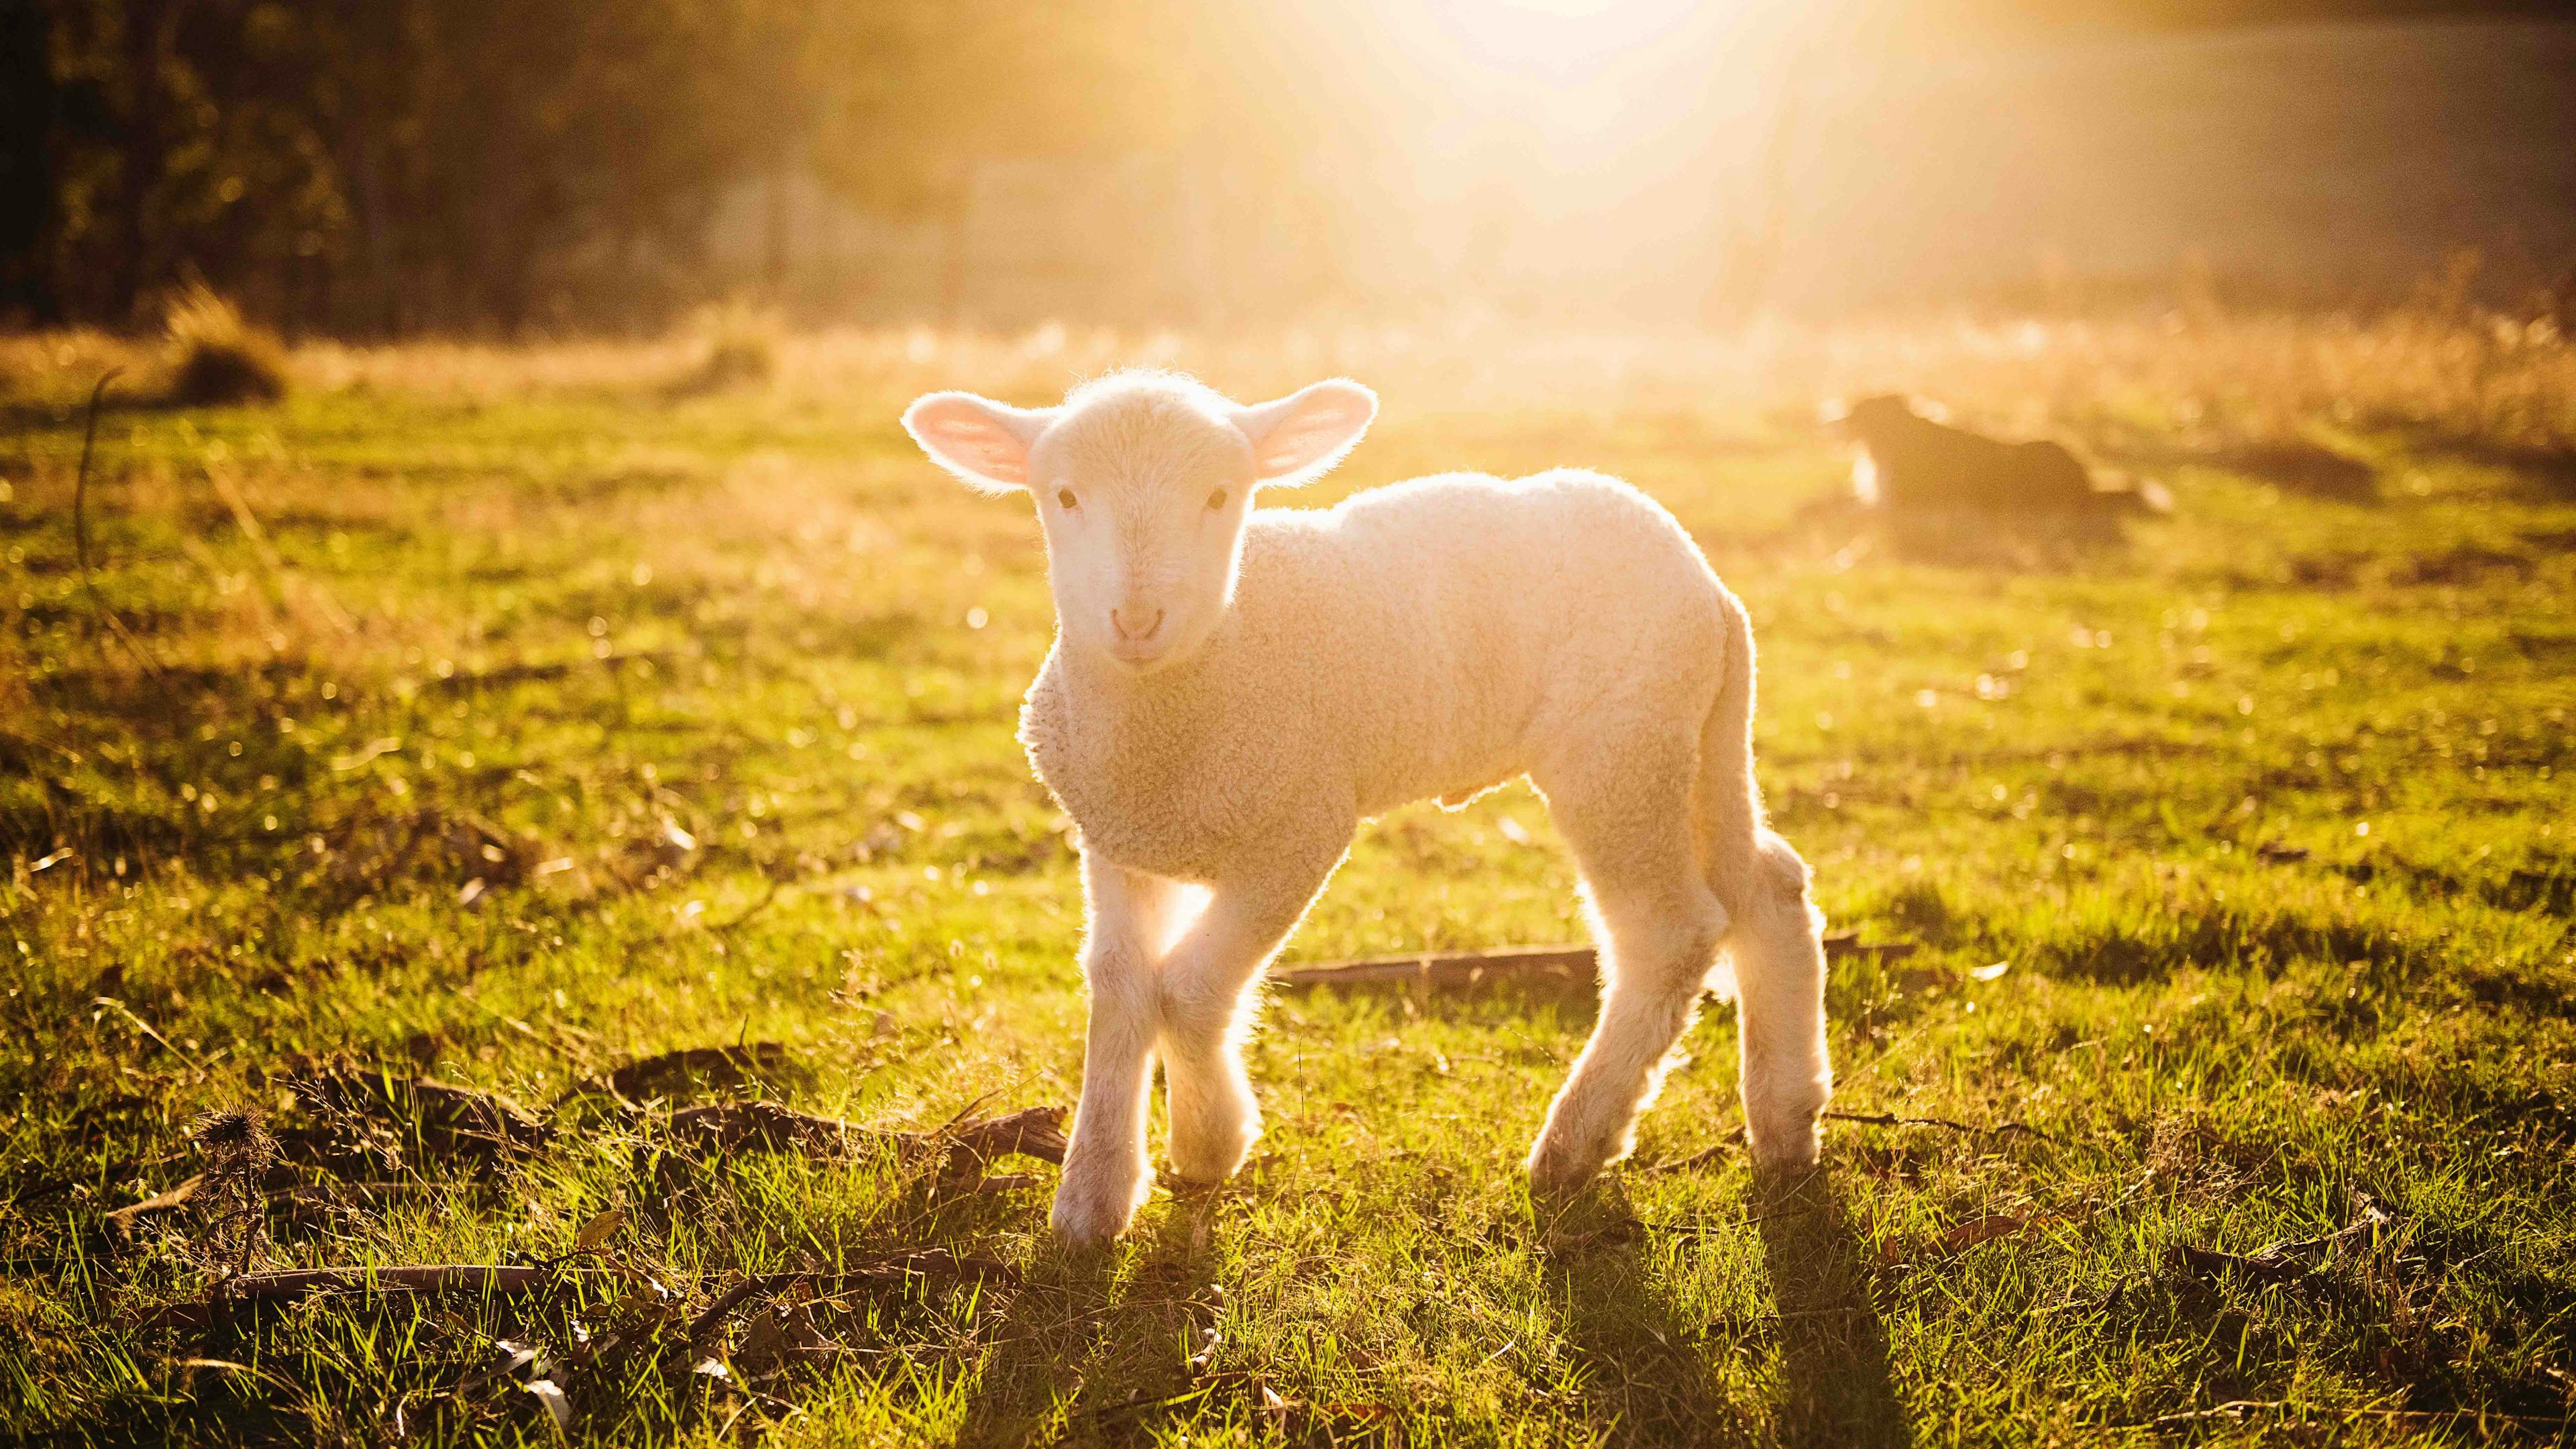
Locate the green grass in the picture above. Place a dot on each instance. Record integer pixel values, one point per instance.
(2266, 817)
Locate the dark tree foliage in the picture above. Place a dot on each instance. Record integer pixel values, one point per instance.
(376, 167)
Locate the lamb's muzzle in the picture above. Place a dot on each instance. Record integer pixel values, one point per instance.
(1231, 691)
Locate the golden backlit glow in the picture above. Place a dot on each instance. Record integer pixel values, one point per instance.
(1570, 42)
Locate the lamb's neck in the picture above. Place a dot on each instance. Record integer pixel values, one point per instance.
(1180, 699)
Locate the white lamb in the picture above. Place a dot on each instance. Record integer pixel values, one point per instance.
(1231, 692)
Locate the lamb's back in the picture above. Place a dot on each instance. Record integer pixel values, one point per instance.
(1428, 623)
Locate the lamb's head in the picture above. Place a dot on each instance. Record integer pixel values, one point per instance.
(1143, 482)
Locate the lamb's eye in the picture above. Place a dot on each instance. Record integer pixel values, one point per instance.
(1065, 498)
(1217, 499)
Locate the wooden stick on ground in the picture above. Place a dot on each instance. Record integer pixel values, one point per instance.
(409, 1277)
(1867, 1119)
(1571, 967)
(722, 1127)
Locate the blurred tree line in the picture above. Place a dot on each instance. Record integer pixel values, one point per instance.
(382, 167)
(377, 167)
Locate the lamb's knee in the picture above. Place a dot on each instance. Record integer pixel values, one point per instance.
(1195, 1020)
(1672, 946)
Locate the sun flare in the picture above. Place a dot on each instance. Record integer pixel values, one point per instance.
(1565, 40)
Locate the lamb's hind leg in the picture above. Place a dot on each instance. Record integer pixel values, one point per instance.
(1658, 926)
(1777, 949)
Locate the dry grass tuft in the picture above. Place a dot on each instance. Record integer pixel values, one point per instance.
(218, 357)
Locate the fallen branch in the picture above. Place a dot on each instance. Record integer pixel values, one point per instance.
(406, 1277)
(726, 1127)
(446, 1118)
(1569, 967)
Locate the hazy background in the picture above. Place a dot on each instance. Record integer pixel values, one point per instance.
(392, 167)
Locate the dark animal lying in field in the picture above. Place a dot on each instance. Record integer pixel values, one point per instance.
(1911, 464)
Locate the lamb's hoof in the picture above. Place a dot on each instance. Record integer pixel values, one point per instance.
(1093, 1208)
(1559, 1171)
(1211, 1158)
(1786, 1152)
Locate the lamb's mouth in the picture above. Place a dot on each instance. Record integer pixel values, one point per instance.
(1141, 658)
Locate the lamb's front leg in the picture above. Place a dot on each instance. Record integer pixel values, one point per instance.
(1206, 997)
(1127, 921)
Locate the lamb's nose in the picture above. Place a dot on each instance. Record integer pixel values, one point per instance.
(1137, 625)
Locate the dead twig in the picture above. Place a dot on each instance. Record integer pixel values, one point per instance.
(80, 533)
(2278, 1262)
(2210, 1263)
(145, 1027)
(80, 480)
(1884, 1119)
(2366, 1216)
(755, 908)
(1701, 1158)
(291, 1197)
(122, 1219)
(1568, 966)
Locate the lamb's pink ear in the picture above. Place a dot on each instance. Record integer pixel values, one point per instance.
(985, 443)
(1301, 436)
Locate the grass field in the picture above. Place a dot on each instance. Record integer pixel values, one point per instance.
(506, 717)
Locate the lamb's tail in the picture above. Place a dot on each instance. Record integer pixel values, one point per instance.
(1728, 810)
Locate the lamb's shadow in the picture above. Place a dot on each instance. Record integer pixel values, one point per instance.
(1836, 1388)
(1064, 1362)
(1645, 1377)
(1650, 1378)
